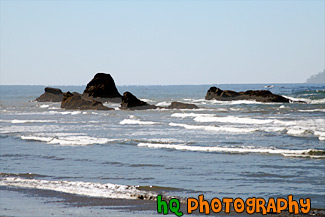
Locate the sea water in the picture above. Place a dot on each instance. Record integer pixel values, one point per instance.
(51, 159)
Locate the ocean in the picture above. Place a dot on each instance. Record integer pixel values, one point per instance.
(57, 162)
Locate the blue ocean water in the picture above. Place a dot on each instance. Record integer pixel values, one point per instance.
(224, 149)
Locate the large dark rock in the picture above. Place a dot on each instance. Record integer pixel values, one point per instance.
(102, 88)
(77, 101)
(180, 105)
(51, 95)
(257, 95)
(129, 101)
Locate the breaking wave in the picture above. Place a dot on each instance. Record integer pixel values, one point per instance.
(89, 189)
(133, 120)
(214, 128)
(15, 121)
(311, 153)
(69, 140)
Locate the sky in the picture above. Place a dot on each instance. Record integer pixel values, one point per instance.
(152, 42)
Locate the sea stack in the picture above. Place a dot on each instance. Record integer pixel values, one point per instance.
(102, 88)
(51, 95)
(257, 95)
(129, 101)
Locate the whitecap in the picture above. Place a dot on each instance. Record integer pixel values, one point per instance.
(312, 110)
(147, 100)
(185, 115)
(133, 120)
(69, 140)
(15, 121)
(312, 153)
(164, 103)
(214, 128)
(232, 119)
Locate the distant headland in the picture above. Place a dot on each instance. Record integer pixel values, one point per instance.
(318, 78)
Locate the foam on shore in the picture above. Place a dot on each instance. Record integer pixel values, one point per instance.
(89, 189)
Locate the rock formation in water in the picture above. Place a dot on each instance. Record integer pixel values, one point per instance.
(257, 95)
(77, 101)
(102, 88)
(51, 95)
(129, 101)
(180, 105)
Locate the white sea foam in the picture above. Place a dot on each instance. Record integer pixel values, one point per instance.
(133, 120)
(115, 106)
(320, 134)
(164, 103)
(239, 150)
(214, 128)
(53, 112)
(71, 113)
(294, 99)
(297, 132)
(69, 140)
(147, 100)
(186, 115)
(232, 119)
(90, 189)
(65, 112)
(318, 101)
(312, 110)
(44, 106)
(309, 101)
(31, 121)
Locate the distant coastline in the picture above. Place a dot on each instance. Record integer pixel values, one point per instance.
(318, 78)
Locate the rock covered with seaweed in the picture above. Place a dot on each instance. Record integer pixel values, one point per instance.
(129, 101)
(77, 101)
(50, 95)
(257, 95)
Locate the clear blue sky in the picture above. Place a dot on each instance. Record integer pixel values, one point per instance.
(56, 42)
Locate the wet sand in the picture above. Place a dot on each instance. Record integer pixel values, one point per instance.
(62, 204)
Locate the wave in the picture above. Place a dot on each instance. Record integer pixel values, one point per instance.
(155, 140)
(66, 112)
(312, 110)
(71, 113)
(89, 189)
(185, 115)
(133, 120)
(311, 153)
(292, 131)
(232, 119)
(214, 128)
(309, 101)
(147, 100)
(164, 103)
(15, 121)
(69, 140)
(318, 101)
(320, 134)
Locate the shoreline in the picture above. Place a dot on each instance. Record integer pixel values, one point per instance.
(71, 201)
